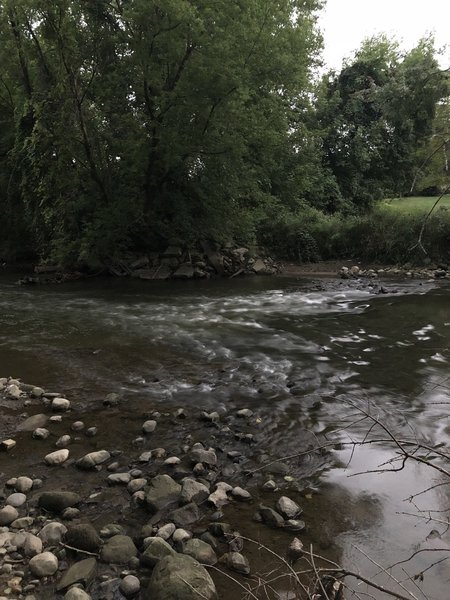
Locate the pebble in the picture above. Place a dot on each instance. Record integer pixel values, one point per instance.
(136, 485)
(76, 593)
(145, 457)
(166, 531)
(41, 433)
(18, 499)
(91, 431)
(44, 564)
(23, 484)
(32, 545)
(8, 444)
(57, 458)
(56, 419)
(52, 533)
(244, 413)
(63, 441)
(60, 404)
(149, 426)
(240, 494)
(119, 479)
(22, 523)
(8, 514)
(172, 461)
(77, 426)
(130, 586)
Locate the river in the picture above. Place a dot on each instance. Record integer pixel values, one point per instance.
(305, 355)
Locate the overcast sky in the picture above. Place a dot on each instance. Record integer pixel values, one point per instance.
(345, 23)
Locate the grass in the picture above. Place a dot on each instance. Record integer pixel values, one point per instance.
(415, 204)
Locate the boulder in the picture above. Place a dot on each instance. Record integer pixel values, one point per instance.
(33, 422)
(57, 501)
(163, 490)
(193, 491)
(44, 564)
(201, 551)
(185, 516)
(119, 550)
(156, 549)
(82, 572)
(83, 537)
(180, 576)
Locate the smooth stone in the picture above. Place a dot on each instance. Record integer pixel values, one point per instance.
(60, 404)
(156, 549)
(17, 500)
(77, 426)
(130, 586)
(237, 562)
(83, 537)
(70, 513)
(181, 577)
(295, 525)
(149, 426)
(37, 392)
(57, 501)
(119, 479)
(111, 530)
(91, 431)
(119, 549)
(162, 490)
(52, 533)
(63, 441)
(201, 551)
(44, 564)
(288, 508)
(82, 572)
(33, 422)
(244, 413)
(271, 517)
(58, 457)
(145, 457)
(166, 531)
(180, 536)
(92, 459)
(172, 461)
(206, 457)
(8, 514)
(269, 486)
(193, 491)
(23, 484)
(185, 516)
(240, 494)
(32, 545)
(77, 594)
(41, 433)
(136, 485)
(22, 523)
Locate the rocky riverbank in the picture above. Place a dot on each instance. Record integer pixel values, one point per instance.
(138, 520)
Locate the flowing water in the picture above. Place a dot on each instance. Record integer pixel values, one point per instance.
(306, 356)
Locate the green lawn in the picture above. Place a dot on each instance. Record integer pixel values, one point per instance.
(416, 204)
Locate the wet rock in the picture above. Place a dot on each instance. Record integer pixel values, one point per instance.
(156, 549)
(163, 490)
(295, 550)
(220, 530)
(145, 457)
(130, 586)
(82, 572)
(23, 484)
(172, 461)
(60, 404)
(185, 516)
(193, 491)
(237, 562)
(57, 458)
(33, 422)
(149, 426)
(37, 392)
(295, 525)
(17, 500)
(118, 550)
(8, 514)
(41, 433)
(92, 459)
(271, 517)
(44, 564)
(77, 594)
(83, 537)
(206, 457)
(13, 391)
(91, 431)
(119, 479)
(288, 508)
(63, 441)
(52, 533)
(201, 551)
(57, 501)
(241, 494)
(180, 576)
(166, 531)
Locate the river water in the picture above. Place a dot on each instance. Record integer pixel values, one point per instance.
(306, 356)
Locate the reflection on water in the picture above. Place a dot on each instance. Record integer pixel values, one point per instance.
(296, 353)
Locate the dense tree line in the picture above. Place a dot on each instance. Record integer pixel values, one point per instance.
(126, 123)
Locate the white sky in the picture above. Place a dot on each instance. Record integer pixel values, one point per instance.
(345, 23)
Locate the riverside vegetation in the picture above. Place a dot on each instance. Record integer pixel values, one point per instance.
(129, 125)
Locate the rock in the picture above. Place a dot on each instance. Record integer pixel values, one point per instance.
(37, 392)
(166, 531)
(83, 537)
(77, 594)
(172, 461)
(295, 550)
(77, 426)
(44, 564)
(271, 517)
(63, 441)
(156, 549)
(22, 523)
(58, 457)
(149, 426)
(219, 497)
(70, 513)
(41, 433)
(244, 413)
(119, 479)
(17, 500)
(8, 514)
(111, 530)
(33, 422)
(237, 562)
(130, 586)
(91, 431)
(288, 508)
(240, 494)
(145, 457)
(206, 457)
(82, 572)
(201, 551)
(295, 525)
(185, 271)
(8, 444)
(163, 490)
(118, 550)
(181, 577)
(13, 391)
(32, 545)
(186, 515)
(180, 536)
(269, 486)
(52, 533)
(92, 459)
(193, 491)
(57, 501)
(60, 404)
(23, 484)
